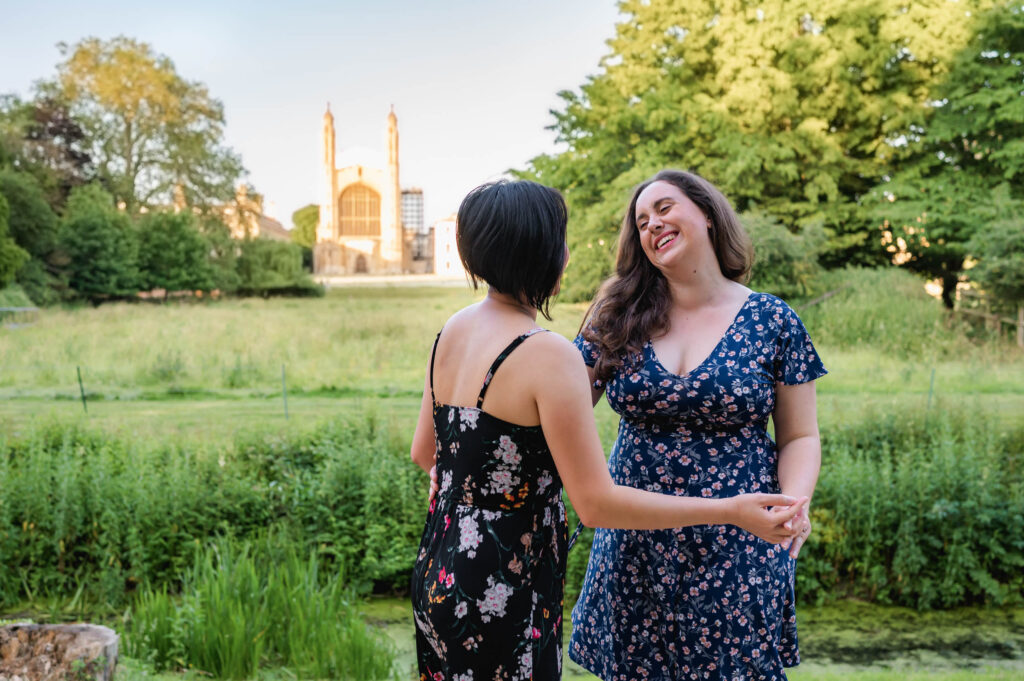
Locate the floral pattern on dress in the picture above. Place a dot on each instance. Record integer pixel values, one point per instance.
(488, 580)
(708, 601)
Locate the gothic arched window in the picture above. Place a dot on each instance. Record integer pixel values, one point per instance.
(359, 211)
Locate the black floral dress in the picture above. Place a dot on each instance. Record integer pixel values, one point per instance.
(488, 580)
(709, 601)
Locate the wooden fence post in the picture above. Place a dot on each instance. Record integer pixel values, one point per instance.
(1020, 326)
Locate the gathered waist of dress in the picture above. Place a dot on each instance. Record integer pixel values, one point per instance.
(697, 430)
(506, 503)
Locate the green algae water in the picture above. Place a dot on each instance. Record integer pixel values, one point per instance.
(849, 640)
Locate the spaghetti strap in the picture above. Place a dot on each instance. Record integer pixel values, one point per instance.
(433, 353)
(501, 358)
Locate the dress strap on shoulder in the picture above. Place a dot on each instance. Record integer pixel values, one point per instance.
(501, 358)
(433, 353)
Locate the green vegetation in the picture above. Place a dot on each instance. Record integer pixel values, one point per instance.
(12, 256)
(81, 512)
(185, 457)
(253, 605)
(861, 121)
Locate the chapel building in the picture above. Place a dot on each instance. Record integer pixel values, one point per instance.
(361, 226)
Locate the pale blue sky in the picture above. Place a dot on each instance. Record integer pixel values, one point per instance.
(472, 82)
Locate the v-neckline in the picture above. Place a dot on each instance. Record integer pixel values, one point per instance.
(728, 331)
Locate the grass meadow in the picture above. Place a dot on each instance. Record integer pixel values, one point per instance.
(203, 382)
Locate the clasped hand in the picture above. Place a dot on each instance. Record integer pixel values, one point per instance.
(775, 518)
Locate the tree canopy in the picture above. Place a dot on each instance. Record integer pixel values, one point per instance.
(791, 107)
(150, 131)
(948, 170)
(305, 220)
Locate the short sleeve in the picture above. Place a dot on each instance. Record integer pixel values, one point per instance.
(587, 349)
(797, 361)
(590, 354)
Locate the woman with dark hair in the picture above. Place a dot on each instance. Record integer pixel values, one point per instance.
(488, 580)
(695, 363)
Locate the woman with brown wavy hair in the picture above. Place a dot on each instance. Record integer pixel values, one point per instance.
(695, 363)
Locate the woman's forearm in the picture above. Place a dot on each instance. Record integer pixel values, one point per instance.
(799, 465)
(628, 508)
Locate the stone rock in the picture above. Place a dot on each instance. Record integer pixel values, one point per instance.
(57, 652)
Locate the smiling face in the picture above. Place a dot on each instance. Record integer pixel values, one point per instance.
(670, 227)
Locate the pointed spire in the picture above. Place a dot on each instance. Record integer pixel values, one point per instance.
(328, 114)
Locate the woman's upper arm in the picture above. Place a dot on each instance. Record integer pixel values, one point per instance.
(567, 419)
(423, 443)
(796, 412)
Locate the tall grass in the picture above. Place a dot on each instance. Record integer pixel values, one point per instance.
(376, 342)
(888, 311)
(920, 509)
(249, 605)
(80, 511)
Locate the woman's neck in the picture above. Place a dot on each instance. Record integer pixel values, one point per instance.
(505, 302)
(696, 287)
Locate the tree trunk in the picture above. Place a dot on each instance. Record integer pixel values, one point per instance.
(949, 282)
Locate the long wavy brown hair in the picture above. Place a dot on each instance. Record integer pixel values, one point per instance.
(632, 305)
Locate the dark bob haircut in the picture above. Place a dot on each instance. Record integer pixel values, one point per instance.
(511, 235)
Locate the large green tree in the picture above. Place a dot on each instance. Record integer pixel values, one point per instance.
(150, 131)
(33, 226)
(948, 170)
(12, 257)
(999, 247)
(173, 255)
(786, 105)
(98, 245)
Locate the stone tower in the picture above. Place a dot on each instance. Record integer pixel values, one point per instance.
(327, 207)
(360, 229)
(392, 240)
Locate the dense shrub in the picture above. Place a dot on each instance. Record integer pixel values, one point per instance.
(785, 264)
(273, 268)
(82, 511)
(919, 509)
(79, 510)
(924, 509)
(349, 490)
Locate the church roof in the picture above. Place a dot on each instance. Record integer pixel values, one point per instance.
(272, 229)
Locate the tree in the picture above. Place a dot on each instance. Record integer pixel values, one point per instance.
(33, 226)
(33, 223)
(223, 260)
(173, 255)
(305, 221)
(12, 257)
(41, 138)
(786, 105)
(149, 129)
(949, 170)
(99, 245)
(999, 248)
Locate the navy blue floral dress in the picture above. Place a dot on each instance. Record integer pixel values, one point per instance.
(709, 601)
(488, 581)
